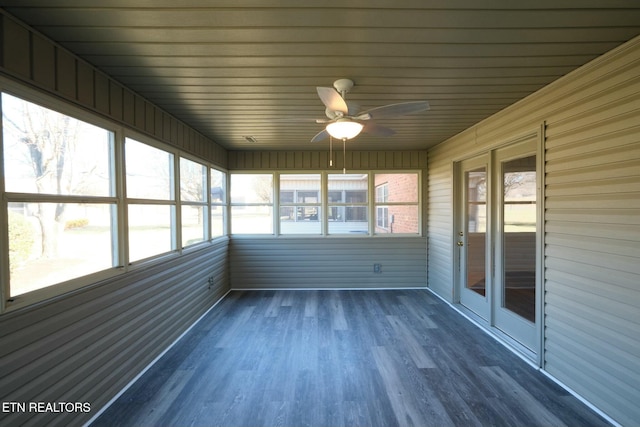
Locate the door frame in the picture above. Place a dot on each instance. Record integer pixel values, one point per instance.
(535, 355)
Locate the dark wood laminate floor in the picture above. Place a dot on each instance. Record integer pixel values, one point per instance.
(342, 358)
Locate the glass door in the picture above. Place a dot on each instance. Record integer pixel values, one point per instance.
(497, 239)
(516, 242)
(471, 236)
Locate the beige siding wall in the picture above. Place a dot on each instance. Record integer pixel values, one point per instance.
(319, 160)
(592, 257)
(327, 262)
(593, 239)
(440, 223)
(87, 345)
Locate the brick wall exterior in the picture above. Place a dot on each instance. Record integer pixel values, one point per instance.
(402, 188)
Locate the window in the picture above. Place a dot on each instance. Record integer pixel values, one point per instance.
(66, 219)
(397, 207)
(151, 207)
(218, 203)
(193, 198)
(325, 203)
(60, 193)
(251, 203)
(300, 204)
(347, 208)
(519, 195)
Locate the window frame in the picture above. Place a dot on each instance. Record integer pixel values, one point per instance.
(295, 204)
(386, 204)
(371, 205)
(117, 200)
(172, 202)
(273, 204)
(350, 206)
(204, 204)
(8, 301)
(223, 203)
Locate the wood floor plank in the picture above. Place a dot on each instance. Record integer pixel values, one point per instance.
(418, 310)
(413, 347)
(404, 408)
(311, 303)
(341, 358)
(534, 409)
(338, 319)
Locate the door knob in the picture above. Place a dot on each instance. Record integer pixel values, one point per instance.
(460, 244)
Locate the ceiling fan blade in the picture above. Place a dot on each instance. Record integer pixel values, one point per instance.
(353, 107)
(377, 130)
(332, 99)
(394, 110)
(320, 136)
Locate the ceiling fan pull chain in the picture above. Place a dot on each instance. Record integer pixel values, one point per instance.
(330, 151)
(344, 156)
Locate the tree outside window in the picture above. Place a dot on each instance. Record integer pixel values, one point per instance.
(251, 203)
(60, 191)
(151, 207)
(193, 195)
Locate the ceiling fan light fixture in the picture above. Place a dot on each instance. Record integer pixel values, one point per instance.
(344, 129)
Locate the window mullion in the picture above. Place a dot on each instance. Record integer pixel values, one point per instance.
(207, 209)
(121, 245)
(324, 203)
(276, 204)
(4, 234)
(53, 198)
(176, 244)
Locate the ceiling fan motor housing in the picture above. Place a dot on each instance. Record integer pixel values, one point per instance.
(343, 85)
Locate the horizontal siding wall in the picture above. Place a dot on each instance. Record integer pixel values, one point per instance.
(29, 57)
(440, 223)
(593, 241)
(259, 263)
(87, 346)
(319, 160)
(592, 227)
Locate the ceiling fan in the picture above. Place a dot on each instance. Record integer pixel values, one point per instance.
(345, 121)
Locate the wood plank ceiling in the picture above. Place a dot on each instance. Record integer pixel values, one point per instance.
(237, 68)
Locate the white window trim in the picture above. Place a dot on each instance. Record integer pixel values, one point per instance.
(275, 200)
(224, 204)
(370, 205)
(118, 199)
(418, 203)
